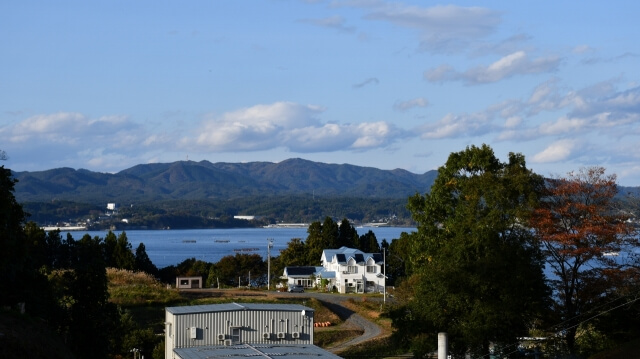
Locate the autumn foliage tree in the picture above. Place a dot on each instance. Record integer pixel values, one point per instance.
(582, 235)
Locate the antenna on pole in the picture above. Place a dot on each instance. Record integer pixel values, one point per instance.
(269, 246)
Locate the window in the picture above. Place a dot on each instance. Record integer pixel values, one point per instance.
(352, 269)
(372, 269)
(235, 335)
(184, 282)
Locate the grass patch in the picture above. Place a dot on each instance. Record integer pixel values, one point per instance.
(372, 310)
(332, 337)
(128, 288)
(375, 348)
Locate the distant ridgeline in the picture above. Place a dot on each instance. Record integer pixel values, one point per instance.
(189, 194)
(188, 180)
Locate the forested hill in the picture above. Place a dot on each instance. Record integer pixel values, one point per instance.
(188, 180)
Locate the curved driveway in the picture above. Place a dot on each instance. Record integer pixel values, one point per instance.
(334, 303)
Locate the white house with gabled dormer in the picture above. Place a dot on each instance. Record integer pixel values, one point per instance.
(346, 270)
(355, 271)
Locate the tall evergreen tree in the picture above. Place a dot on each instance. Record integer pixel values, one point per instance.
(15, 268)
(92, 318)
(316, 242)
(142, 261)
(348, 236)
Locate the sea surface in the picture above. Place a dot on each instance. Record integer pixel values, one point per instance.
(170, 247)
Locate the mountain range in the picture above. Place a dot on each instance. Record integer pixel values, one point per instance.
(189, 180)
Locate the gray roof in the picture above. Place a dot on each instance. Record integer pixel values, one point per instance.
(228, 307)
(342, 254)
(302, 271)
(289, 351)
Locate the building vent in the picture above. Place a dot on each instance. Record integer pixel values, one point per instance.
(295, 335)
(193, 333)
(266, 335)
(281, 335)
(221, 336)
(227, 342)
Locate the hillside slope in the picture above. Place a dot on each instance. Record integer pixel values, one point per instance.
(205, 180)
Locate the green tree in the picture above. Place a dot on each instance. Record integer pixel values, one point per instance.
(122, 254)
(315, 243)
(348, 236)
(92, 319)
(397, 258)
(294, 254)
(579, 229)
(15, 269)
(368, 243)
(110, 244)
(476, 271)
(330, 234)
(142, 261)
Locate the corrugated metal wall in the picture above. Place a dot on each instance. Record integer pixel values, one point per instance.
(250, 327)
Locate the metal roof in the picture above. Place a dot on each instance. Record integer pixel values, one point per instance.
(227, 307)
(303, 271)
(301, 351)
(342, 254)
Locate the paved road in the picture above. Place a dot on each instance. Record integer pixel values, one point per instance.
(334, 303)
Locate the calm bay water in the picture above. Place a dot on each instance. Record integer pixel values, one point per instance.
(171, 247)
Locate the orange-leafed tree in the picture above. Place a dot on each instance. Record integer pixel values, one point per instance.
(585, 239)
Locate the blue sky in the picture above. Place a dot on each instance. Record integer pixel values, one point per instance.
(106, 85)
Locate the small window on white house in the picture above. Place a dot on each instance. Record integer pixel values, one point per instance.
(352, 269)
(372, 269)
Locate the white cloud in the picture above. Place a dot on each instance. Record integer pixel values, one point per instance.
(558, 151)
(68, 127)
(286, 125)
(409, 104)
(441, 73)
(563, 125)
(513, 122)
(442, 28)
(452, 126)
(517, 63)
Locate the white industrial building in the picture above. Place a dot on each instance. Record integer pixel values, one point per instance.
(251, 329)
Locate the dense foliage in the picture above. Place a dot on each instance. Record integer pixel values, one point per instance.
(219, 214)
(476, 272)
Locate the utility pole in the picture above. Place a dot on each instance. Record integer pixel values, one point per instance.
(269, 246)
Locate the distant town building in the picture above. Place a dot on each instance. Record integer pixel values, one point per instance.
(246, 218)
(112, 209)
